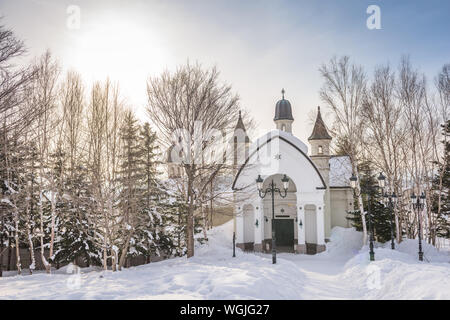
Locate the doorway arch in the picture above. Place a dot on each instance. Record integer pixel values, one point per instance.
(285, 216)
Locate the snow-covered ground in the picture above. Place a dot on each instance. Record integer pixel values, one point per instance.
(342, 272)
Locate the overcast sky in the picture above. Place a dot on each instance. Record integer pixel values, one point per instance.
(260, 47)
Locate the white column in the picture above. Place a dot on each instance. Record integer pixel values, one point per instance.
(301, 245)
(259, 215)
(301, 218)
(239, 225)
(320, 223)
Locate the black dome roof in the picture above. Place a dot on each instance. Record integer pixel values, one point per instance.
(283, 109)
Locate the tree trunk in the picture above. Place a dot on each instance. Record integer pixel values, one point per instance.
(190, 220)
(16, 238)
(205, 222)
(211, 205)
(8, 267)
(29, 231)
(105, 253)
(360, 203)
(52, 231)
(397, 227)
(2, 248)
(31, 248)
(190, 232)
(41, 214)
(124, 252)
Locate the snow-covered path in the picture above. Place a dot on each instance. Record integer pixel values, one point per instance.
(343, 272)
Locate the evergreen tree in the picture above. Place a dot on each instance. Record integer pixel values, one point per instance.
(176, 214)
(442, 223)
(151, 237)
(75, 240)
(380, 216)
(129, 180)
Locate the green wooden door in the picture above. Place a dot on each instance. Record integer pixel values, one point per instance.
(284, 232)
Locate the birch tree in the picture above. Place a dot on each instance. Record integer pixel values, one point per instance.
(383, 116)
(16, 117)
(343, 92)
(45, 97)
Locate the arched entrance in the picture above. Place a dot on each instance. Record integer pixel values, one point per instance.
(284, 217)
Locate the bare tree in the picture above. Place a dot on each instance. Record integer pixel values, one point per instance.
(44, 97)
(343, 92)
(386, 132)
(16, 117)
(192, 104)
(104, 121)
(442, 109)
(13, 84)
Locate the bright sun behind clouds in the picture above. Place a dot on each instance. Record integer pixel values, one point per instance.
(119, 49)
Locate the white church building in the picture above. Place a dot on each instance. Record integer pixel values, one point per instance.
(317, 199)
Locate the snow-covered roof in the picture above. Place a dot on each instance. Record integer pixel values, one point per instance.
(287, 136)
(340, 171)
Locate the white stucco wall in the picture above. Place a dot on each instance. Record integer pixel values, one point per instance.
(280, 157)
(283, 154)
(341, 203)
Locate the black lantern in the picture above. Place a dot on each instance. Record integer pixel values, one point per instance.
(394, 198)
(285, 181)
(413, 200)
(422, 200)
(381, 180)
(418, 203)
(259, 183)
(353, 180)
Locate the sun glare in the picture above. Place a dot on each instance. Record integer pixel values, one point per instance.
(120, 50)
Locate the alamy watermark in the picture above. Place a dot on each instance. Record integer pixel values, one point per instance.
(212, 146)
(374, 20)
(73, 21)
(74, 280)
(373, 280)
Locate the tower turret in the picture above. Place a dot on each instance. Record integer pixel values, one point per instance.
(320, 154)
(319, 139)
(241, 142)
(283, 114)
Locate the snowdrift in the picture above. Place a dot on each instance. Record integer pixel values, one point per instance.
(343, 271)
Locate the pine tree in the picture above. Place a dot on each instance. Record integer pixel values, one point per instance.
(176, 215)
(30, 214)
(151, 237)
(75, 241)
(11, 187)
(442, 223)
(380, 216)
(130, 181)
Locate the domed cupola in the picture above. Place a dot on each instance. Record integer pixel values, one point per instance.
(283, 114)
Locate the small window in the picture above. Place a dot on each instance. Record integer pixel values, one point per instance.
(283, 127)
(320, 150)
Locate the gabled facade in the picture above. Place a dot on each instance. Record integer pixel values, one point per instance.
(318, 197)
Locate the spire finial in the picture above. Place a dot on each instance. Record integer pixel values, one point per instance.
(282, 92)
(240, 114)
(318, 108)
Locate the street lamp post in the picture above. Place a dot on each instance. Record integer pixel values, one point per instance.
(390, 201)
(272, 189)
(368, 188)
(234, 244)
(418, 204)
